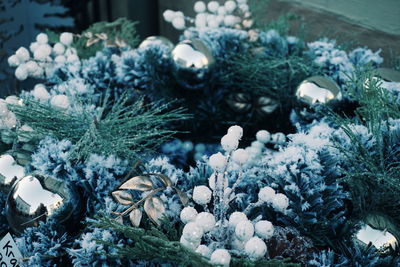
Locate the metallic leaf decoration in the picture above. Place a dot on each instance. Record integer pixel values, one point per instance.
(167, 182)
(135, 216)
(122, 197)
(140, 183)
(154, 208)
(182, 196)
(266, 105)
(240, 102)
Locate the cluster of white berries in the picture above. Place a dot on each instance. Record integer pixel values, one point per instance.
(40, 93)
(263, 138)
(45, 57)
(8, 120)
(232, 14)
(243, 234)
(248, 236)
(279, 201)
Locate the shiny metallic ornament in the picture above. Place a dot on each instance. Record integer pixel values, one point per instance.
(36, 197)
(380, 232)
(243, 103)
(193, 62)
(159, 40)
(388, 75)
(192, 54)
(317, 89)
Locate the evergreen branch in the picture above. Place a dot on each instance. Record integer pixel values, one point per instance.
(267, 75)
(373, 164)
(124, 130)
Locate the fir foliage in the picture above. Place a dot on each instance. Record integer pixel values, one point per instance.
(124, 130)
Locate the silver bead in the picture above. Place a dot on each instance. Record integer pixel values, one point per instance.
(36, 197)
(317, 89)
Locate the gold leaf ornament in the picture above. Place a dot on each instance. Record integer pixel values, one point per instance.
(182, 196)
(135, 216)
(154, 208)
(123, 197)
(140, 183)
(242, 103)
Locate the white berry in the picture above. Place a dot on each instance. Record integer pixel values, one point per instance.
(204, 251)
(178, 23)
(244, 230)
(31, 67)
(202, 195)
(236, 218)
(266, 194)
(255, 248)
(240, 156)
(236, 130)
(60, 101)
(263, 136)
(22, 54)
(66, 38)
(230, 6)
(188, 244)
(217, 162)
(58, 49)
(42, 38)
(280, 202)
(229, 142)
(192, 232)
(264, 229)
(21, 72)
(205, 220)
(188, 214)
(199, 7)
(13, 61)
(213, 6)
(221, 257)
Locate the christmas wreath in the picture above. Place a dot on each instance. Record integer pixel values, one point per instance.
(90, 176)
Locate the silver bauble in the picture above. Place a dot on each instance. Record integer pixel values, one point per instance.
(9, 170)
(36, 197)
(388, 75)
(380, 231)
(192, 54)
(317, 89)
(193, 61)
(159, 40)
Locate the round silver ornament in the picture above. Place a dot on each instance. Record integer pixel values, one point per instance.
(380, 231)
(192, 54)
(157, 40)
(317, 89)
(36, 197)
(192, 61)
